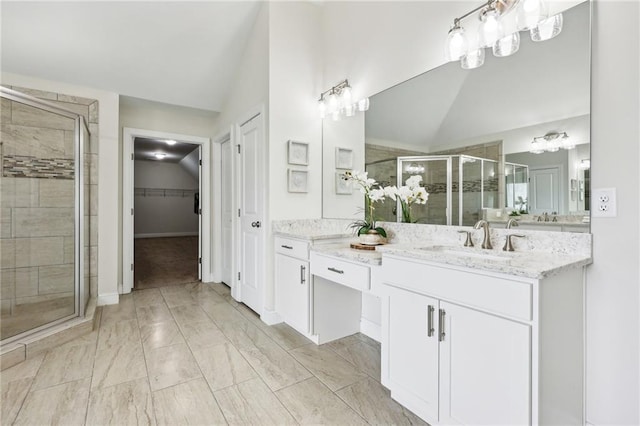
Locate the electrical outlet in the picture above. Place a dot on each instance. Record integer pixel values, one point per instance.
(604, 202)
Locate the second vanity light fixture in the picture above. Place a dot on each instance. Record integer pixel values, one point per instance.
(338, 101)
(551, 142)
(531, 15)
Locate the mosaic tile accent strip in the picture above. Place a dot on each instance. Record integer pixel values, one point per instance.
(467, 186)
(32, 167)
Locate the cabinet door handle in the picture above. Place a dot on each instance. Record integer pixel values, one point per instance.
(441, 325)
(430, 329)
(337, 271)
(302, 274)
(287, 247)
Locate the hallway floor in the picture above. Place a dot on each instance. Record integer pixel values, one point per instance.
(190, 354)
(160, 262)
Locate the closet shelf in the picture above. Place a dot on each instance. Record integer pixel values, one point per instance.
(164, 192)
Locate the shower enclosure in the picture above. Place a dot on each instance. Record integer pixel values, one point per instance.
(459, 187)
(43, 215)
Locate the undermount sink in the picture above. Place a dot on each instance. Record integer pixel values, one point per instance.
(469, 252)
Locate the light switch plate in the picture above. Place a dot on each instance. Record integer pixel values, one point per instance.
(603, 202)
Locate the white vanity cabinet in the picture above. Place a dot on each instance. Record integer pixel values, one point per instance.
(467, 347)
(293, 298)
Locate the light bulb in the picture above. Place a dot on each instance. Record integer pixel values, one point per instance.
(473, 59)
(333, 104)
(529, 13)
(171, 142)
(490, 29)
(456, 44)
(350, 110)
(547, 29)
(335, 115)
(346, 96)
(507, 45)
(322, 108)
(567, 142)
(363, 104)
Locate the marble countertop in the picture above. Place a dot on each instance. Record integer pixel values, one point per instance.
(312, 236)
(549, 223)
(536, 265)
(343, 251)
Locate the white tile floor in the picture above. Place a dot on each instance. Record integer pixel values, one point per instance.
(190, 354)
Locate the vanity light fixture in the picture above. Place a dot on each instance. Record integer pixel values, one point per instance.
(585, 164)
(551, 142)
(415, 169)
(338, 101)
(530, 15)
(160, 155)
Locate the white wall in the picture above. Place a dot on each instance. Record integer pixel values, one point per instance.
(295, 82)
(108, 188)
(161, 215)
(377, 45)
(613, 355)
(251, 86)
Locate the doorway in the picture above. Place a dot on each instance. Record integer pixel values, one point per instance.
(166, 213)
(166, 237)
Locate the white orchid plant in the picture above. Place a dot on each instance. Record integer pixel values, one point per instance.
(411, 193)
(372, 195)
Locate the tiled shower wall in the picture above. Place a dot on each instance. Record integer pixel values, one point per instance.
(37, 200)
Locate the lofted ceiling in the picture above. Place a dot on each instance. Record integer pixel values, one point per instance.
(181, 53)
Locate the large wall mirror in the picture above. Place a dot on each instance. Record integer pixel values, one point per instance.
(509, 138)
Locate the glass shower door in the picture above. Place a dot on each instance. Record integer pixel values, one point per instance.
(40, 215)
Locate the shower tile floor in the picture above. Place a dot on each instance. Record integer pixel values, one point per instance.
(162, 262)
(30, 315)
(190, 354)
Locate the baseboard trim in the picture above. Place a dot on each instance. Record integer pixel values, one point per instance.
(270, 317)
(108, 299)
(370, 329)
(167, 234)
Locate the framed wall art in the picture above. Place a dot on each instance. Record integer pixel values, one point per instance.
(343, 186)
(344, 158)
(297, 180)
(298, 153)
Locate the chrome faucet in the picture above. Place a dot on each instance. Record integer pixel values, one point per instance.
(486, 240)
(512, 222)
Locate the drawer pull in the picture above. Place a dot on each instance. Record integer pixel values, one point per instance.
(430, 329)
(337, 271)
(302, 274)
(441, 325)
(287, 247)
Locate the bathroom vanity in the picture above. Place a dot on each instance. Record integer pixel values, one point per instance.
(468, 336)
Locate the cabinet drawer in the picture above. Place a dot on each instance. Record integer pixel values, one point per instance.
(295, 248)
(341, 272)
(489, 293)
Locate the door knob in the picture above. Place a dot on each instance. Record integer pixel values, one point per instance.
(255, 224)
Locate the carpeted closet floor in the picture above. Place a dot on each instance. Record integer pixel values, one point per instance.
(162, 262)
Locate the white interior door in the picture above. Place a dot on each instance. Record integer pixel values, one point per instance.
(545, 190)
(199, 207)
(227, 217)
(251, 239)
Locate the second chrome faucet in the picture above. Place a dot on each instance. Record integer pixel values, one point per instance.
(486, 240)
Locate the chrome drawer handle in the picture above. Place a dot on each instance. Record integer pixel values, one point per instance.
(430, 329)
(287, 247)
(337, 271)
(302, 274)
(441, 325)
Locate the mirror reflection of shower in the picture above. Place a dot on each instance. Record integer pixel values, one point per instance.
(459, 187)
